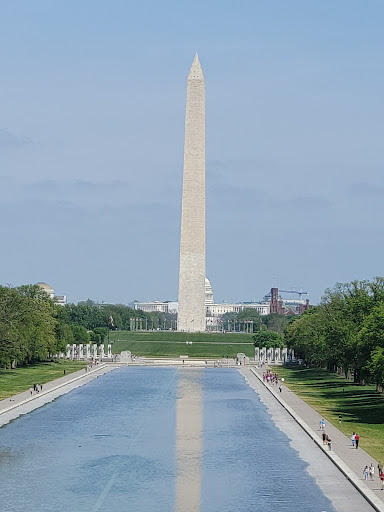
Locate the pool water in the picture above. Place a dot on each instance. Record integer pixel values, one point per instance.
(154, 439)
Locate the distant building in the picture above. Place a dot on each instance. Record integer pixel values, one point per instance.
(156, 306)
(286, 306)
(48, 289)
(170, 306)
(60, 300)
(272, 303)
(214, 312)
(217, 310)
(208, 293)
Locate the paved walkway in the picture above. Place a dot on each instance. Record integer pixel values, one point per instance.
(355, 459)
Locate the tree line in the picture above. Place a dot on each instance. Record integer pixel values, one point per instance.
(33, 328)
(345, 332)
(272, 322)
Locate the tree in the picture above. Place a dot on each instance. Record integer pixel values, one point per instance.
(370, 337)
(306, 335)
(344, 331)
(248, 315)
(376, 367)
(99, 334)
(87, 302)
(268, 339)
(228, 320)
(64, 335)
(27, 325)
(80, 334)
(276, 322)
(33, 291)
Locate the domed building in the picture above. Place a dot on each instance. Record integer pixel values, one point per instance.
(208, 293)
(60, 300)
(48, 289)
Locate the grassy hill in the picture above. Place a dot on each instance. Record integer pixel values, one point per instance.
(173, 344)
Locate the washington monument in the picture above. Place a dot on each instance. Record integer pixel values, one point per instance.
(191, 315)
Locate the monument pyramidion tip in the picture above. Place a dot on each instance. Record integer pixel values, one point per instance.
(196, 73)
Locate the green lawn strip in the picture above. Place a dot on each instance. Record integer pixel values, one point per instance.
(361, 407)
(176, 349)
(172, 336)
(20, 379)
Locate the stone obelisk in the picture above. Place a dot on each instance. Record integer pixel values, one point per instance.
(191, 316)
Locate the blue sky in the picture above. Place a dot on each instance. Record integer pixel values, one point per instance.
(92, 132)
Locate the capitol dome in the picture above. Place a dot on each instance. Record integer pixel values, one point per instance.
(208, 292)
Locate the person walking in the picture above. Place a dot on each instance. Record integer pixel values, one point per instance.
(357, 439)
(380, 467)
(382, 480)
(324, 436)
(322, 424)
(353, 437)
(329, 442)
(371, 471)
(365, 473)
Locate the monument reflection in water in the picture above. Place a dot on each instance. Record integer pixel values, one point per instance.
(135, 438)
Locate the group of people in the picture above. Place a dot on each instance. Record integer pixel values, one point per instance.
(369, 471)
(272, 378)
(90, 365)
(36, 388)
(355, 438)
(327, 440)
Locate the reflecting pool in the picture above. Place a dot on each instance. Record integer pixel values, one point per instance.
(154, 439)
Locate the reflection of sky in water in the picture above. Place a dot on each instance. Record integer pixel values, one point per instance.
(110, 446)
(248, 462)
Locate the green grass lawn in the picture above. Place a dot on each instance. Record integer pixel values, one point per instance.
(20, 379)
(361, 407)
(173, 344)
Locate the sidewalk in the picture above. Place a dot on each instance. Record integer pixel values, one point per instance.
(355, 459)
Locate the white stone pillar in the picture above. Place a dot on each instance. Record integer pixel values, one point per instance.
(68, 356)
(88, 351)
(191, 315)
(109, 351)
(101, 351)
(95, 351)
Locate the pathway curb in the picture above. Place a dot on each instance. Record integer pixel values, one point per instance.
(372, 499)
